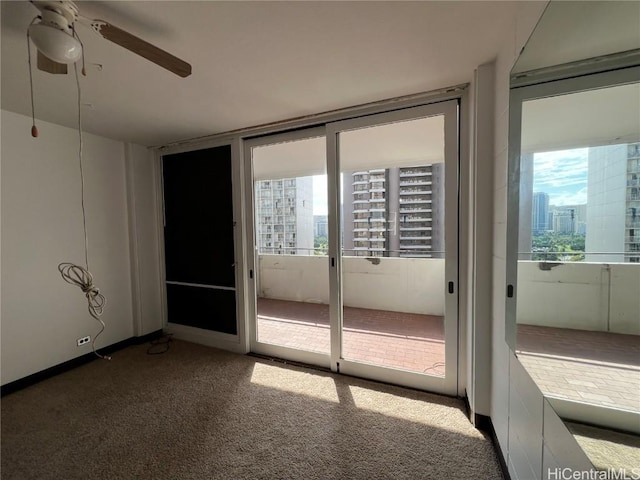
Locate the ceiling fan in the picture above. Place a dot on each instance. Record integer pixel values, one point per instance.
(54, 34)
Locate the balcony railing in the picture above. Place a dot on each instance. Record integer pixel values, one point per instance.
(416, 182)
(414, 210)
(410, 191)
(415, 229)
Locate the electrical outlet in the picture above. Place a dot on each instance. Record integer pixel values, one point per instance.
(84, 340)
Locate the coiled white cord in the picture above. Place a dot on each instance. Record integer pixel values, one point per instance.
(80, 277)
(75, 274)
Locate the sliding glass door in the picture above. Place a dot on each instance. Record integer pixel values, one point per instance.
(355, 246)
(396, 318)
(289, 265)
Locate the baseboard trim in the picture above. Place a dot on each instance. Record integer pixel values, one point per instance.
(34, 378)
(467, 406)
(484, 423)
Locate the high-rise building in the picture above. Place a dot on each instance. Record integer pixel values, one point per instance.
(365, 213)
(540, 212)
(284, 216)
(568, 219)
(613, 199)
(632, 210)
(320, 226)
(395, 212)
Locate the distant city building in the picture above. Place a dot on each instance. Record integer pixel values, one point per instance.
(284, 216)
(320, 226)
(540, 212)
(568, 219)
(395, 212)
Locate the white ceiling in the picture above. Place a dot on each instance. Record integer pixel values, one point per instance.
(253, 62)
(572, 31)
(606, 116)
(400, 144)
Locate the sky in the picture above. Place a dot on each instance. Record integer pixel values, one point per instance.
(319, 194)
(563, 175)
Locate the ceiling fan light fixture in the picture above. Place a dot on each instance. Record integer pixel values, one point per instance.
(54, 43)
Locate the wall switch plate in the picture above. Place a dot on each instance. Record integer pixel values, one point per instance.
(84, 340)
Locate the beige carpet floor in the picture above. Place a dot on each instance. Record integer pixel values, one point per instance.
(608, 449)
(201, 413)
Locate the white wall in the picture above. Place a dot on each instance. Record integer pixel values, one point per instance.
(42, 316)
(583, 296)
(144, 202)
(411, 285)
(517, 409)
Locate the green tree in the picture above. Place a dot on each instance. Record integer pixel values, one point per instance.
(320, 246)
(558, 247)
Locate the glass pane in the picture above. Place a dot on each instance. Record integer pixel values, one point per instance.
(392, 179)
(292, 278)
(579, 246)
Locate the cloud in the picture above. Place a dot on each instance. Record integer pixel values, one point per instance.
(560, 170)
(569, 198)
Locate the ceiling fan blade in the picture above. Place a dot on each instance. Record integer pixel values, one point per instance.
(47, 65)
(142, 48)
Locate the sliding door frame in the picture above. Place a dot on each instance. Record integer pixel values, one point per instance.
(304, 356)
(545, 88)
(226, 341)
(449, 383)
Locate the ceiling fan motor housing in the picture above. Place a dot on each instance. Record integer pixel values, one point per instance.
(54, 19)
(53, 36)
(66, 9)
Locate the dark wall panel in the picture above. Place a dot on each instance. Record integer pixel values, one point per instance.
(207, 308)
(199, 217)
(198, 234)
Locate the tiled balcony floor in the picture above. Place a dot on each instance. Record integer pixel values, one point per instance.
(595, 367)
(401, 340)
(600, 368)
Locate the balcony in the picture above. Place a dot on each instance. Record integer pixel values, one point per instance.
(410, 209)
(415, 172)
(410, 191)
(594, 305)
(414, 237)
(578, 322)
(414, 182)
(415, 229)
